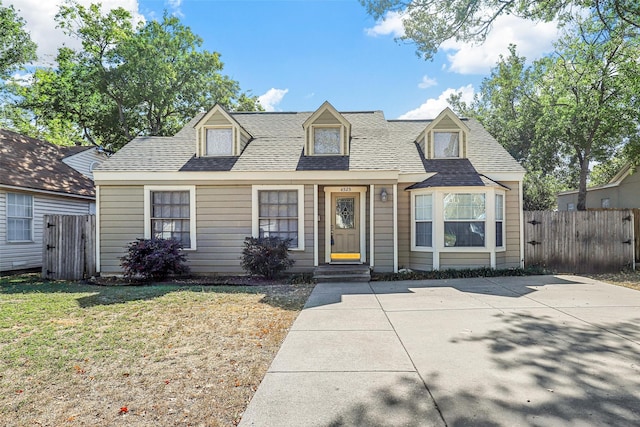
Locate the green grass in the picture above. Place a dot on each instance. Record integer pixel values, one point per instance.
(78, 352)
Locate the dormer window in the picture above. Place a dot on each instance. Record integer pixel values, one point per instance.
(446, 144)
(445, 137)
(218, 134)
(327, 133)
(326, 140)
(219, 142)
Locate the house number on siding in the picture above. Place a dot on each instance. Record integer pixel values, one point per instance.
(345, 190)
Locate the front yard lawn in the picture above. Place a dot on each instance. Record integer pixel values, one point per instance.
(75, 354)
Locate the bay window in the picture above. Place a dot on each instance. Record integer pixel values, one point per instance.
(464, 219)
(423, 220)
(499, 220)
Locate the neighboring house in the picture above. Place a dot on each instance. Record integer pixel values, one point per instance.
(345, 187)
(621, 192)
(35, 181)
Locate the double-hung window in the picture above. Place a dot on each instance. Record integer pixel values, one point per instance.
(464, 219)
(170, 214)
(499, 220)
(423, 215)
(278, 212)
(19, 217)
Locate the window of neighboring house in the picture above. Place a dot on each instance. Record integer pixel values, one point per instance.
(19, 217)
(326, 140)
(446, 144)
(171, 214)
(423, 216)
(220, 142)
(278, 212)
(499, 220)
(571, 207)
(605, 203)
(464, 219)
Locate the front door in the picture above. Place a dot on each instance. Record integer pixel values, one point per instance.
(345, 227)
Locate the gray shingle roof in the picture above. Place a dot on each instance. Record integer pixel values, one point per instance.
(278, 141)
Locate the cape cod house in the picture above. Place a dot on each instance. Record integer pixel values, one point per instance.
(346, 187)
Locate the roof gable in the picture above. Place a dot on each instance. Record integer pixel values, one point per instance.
(218, 117)
(447, 120)
(326, 116)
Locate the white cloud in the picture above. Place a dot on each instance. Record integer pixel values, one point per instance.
(533, 39)
(390, 24)
(271, 98)
(174, 5)
(22, 79)
(427, 82)
(39, 17)
(434, 106)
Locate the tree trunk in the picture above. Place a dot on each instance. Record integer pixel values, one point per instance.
(582, 187)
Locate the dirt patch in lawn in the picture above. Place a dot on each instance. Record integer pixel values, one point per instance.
(164, 354)
(628, 279)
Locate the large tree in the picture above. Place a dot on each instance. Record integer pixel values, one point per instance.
(126, 81)
(16, 47)
(570, 109)
(589, 93)
(428, 23)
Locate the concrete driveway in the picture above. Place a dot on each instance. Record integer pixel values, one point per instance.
(539, 351)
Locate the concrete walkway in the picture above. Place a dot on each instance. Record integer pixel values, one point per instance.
(540, 351)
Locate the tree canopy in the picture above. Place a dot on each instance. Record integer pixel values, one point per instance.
(16, 47)
(568, 110)
(127, 81)
(428, 23)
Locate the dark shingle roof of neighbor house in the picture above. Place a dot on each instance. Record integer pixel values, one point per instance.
(278, 141)
(34, 164)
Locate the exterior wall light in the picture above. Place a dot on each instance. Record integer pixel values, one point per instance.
(383, 195)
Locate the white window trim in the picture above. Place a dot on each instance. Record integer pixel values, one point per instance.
(255, 210)
(192, 209)
(414, 247)
(438, 220)
(234, 148)
(460, 143)
(33, 199)
(502, 248)
(312, 143)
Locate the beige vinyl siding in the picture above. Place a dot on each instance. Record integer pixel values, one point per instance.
(460, 260)
(383, 229)
(121, 222)
(404, 227)
(18, 256)
(217, 119)
(501, 258)
(446, 123)
(83, 160)
(304, 259)
(223, 221)
(327, 118)
(512, 227)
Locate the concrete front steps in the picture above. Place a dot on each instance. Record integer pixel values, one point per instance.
(342, 273)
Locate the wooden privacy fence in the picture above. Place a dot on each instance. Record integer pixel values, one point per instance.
(69, 247)
(579, 241)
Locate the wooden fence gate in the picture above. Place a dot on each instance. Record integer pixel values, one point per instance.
(579, 241)
(69, 247)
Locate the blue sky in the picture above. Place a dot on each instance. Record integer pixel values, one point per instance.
(296, 54)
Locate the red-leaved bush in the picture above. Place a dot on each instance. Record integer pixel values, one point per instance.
(154, 259)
